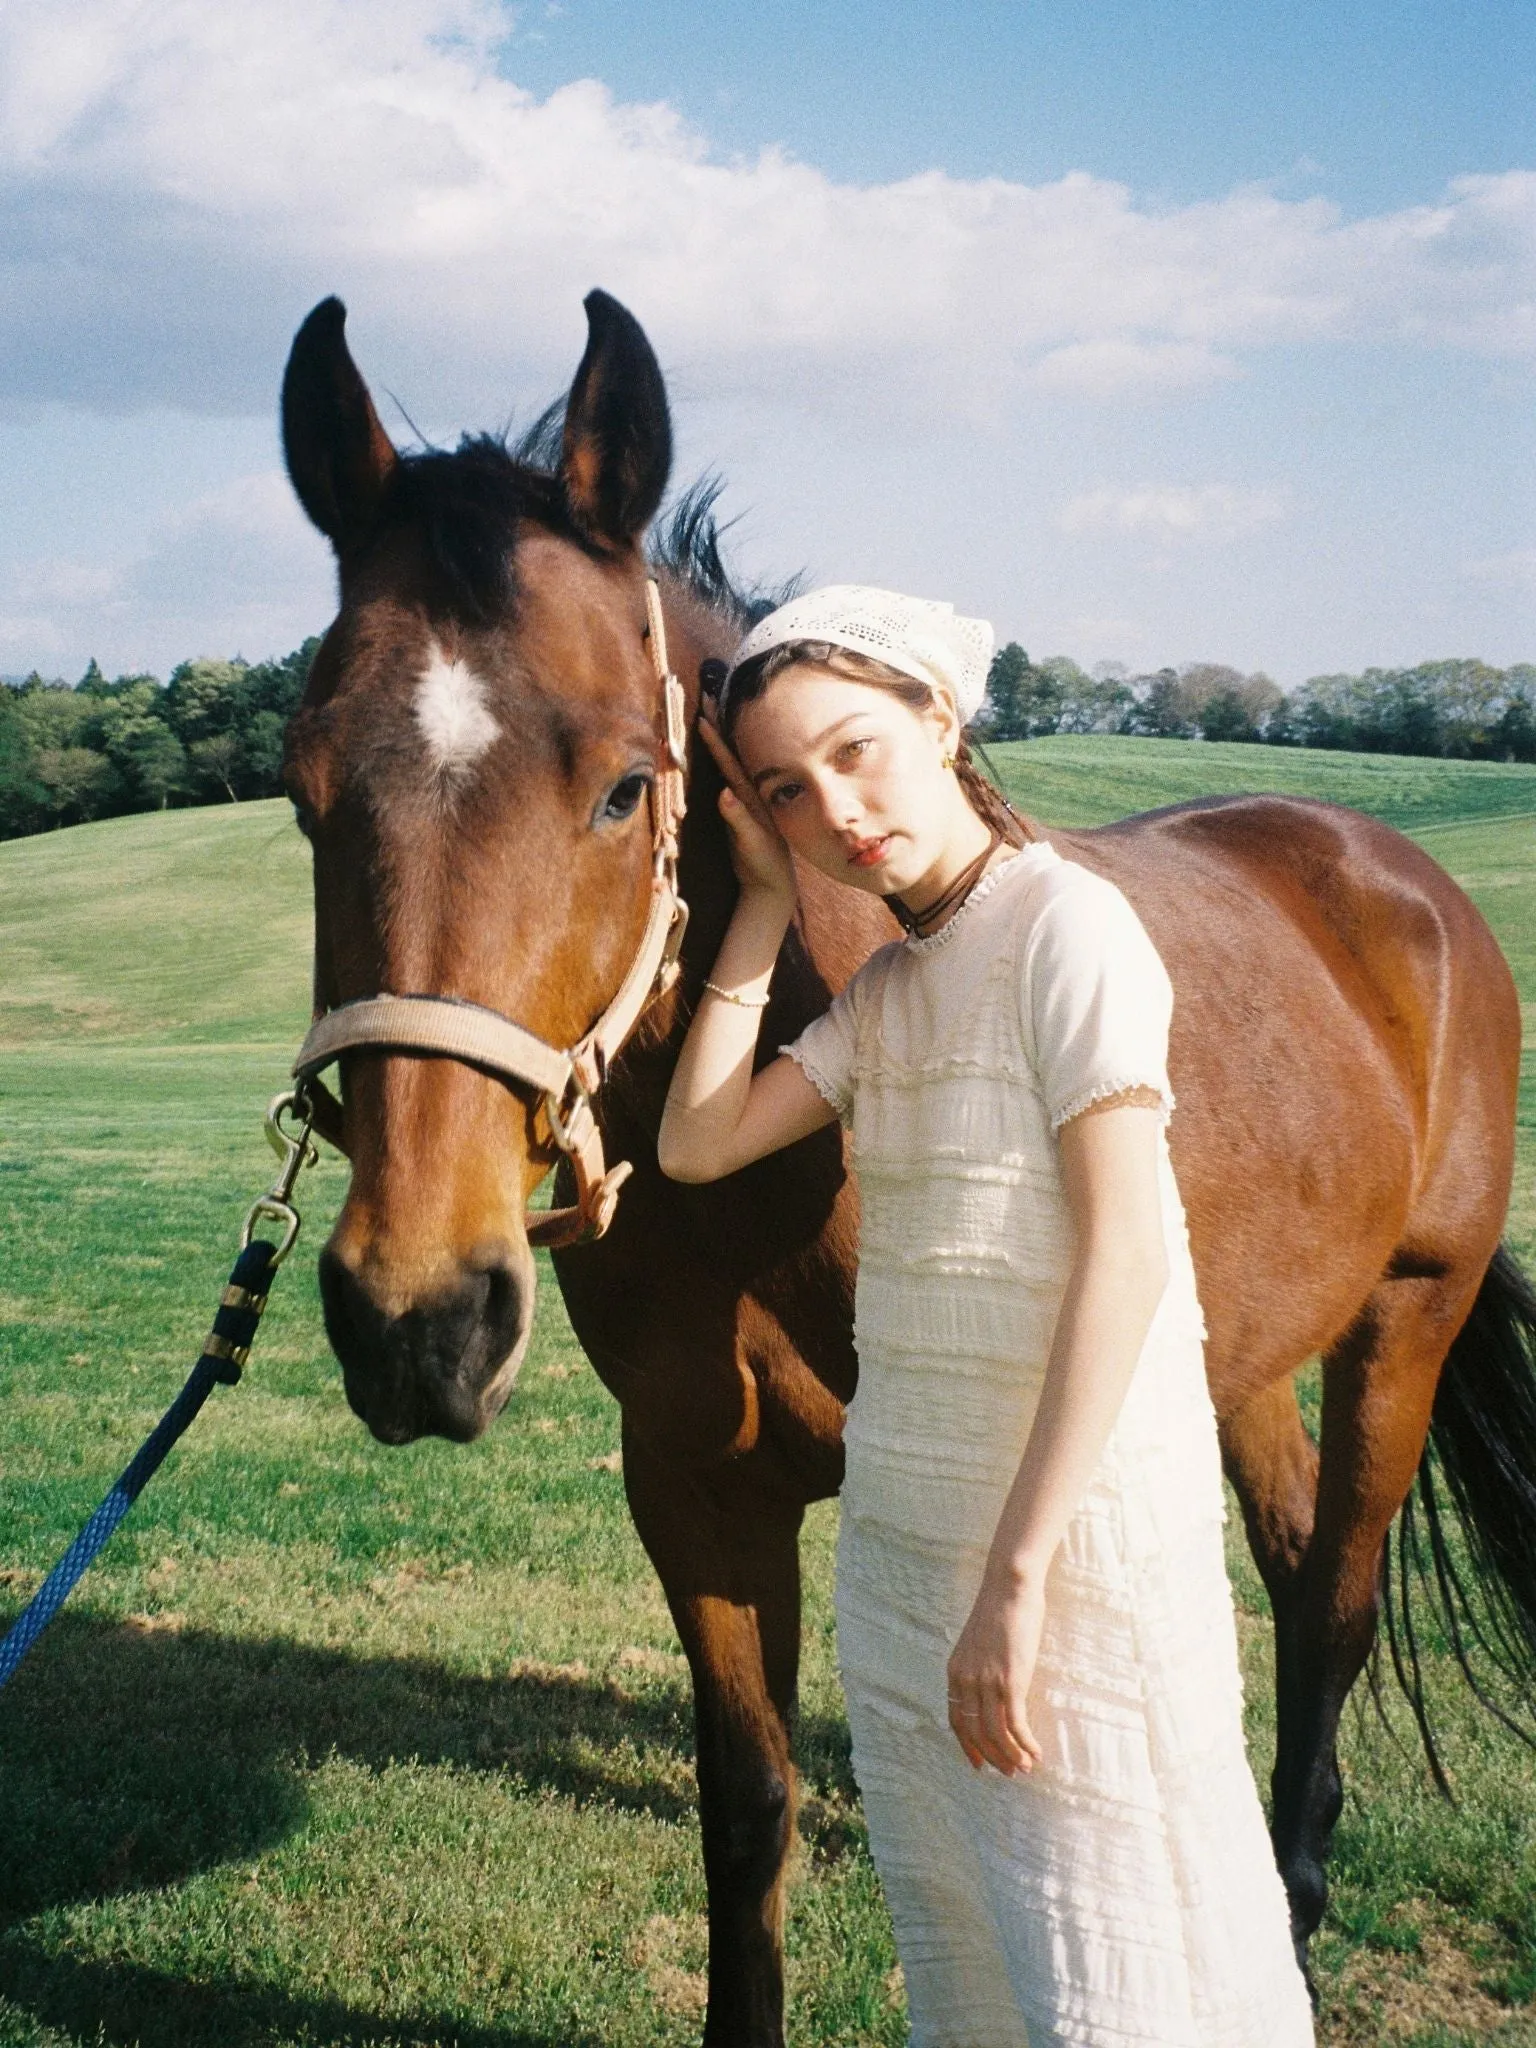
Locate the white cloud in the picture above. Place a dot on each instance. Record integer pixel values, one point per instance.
(182, 184)
(240, 565)
(1170, 512)
(1116, 369)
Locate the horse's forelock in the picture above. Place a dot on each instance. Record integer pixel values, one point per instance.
(466, 505)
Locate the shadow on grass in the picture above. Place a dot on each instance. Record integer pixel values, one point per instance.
(123, 2003)
(132, 1758)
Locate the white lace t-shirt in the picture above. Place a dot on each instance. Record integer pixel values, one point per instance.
(1045, 963)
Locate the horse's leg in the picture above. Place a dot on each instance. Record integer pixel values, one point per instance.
(729, 1564)
(1272, 1463)
(1378, 1390)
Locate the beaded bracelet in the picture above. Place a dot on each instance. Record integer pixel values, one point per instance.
(741, 1002)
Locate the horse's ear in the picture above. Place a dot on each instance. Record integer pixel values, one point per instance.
(338, 455)
(618, 434)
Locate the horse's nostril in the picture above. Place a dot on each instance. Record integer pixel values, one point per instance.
(504, 1305)
(437, 1367)
(353, 1320)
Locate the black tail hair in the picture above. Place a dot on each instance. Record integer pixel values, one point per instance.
(1482, 1449)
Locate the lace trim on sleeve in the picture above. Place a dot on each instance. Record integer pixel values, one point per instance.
(819, 1081)
(1103, 1090)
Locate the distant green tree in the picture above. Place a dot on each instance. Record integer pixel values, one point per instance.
(79, 783)
(216, 762)
(121, 708)
(261, 754)
(278, 685)
(1222, 703)
(53, 714)
(150, 759)
(1009, 697)
(21, 794)
(204, 697)
(268, 695)
(1327, 711)
(1282, 727)
(1165, 709)
(1513, 734)
(1224, 716)
(1085, 703)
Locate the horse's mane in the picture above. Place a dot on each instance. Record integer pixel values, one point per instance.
(686, 544)
(466, 501)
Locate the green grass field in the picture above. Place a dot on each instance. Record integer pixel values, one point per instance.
(345, 1745)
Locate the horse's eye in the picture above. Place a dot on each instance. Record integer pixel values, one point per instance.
(623, 800)
(303, 818)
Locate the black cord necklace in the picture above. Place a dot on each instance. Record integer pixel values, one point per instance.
(918, 923)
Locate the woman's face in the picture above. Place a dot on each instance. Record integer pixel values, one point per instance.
(853, 777)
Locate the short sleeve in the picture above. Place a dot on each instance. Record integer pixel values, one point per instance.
(827, 1049)
(1096, 997)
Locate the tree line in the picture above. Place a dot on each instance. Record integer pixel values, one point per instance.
(214, 732)
(95, 749)
(1458, 709)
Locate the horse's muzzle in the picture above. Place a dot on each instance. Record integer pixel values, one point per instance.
(445, 1365)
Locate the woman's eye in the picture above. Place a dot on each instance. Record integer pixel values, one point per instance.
(785, 792)
(623, 800)
(852, 749)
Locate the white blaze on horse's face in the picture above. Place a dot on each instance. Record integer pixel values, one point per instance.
(453, 714)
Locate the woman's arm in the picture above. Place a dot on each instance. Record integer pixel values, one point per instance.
(1109, 1166)
(719, 1115)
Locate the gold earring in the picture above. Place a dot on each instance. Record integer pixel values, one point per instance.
(946, 761)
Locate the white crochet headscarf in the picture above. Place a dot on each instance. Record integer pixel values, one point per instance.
(919, 637)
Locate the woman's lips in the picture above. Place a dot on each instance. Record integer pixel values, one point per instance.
(868, 853)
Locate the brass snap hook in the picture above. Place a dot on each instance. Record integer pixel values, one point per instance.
(296, 1151)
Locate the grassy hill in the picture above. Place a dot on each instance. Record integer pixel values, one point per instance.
(174, 927)
(185, 927)
(343, 1745)
(1073, 781)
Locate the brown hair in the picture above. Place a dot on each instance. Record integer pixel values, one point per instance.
(754, 676)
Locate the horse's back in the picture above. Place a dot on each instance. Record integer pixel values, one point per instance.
(1324, 891)
(1346, 1032)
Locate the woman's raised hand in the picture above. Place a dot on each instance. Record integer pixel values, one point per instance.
(758, 852)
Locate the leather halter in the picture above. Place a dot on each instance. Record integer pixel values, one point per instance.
(565, 1080)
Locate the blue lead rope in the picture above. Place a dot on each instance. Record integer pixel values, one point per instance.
(224, 1356)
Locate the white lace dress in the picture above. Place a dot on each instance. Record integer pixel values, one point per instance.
(1125, 1891)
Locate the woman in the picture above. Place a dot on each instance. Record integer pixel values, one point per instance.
(1034, 1622)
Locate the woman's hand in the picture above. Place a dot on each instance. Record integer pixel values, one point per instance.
(990, 1669)
(758, 853)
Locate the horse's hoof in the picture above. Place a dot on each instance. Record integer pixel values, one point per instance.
(1304, 1964)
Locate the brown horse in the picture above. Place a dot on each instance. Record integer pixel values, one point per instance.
(470, 763)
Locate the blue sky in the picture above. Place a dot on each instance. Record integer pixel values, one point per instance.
(1377, 104)
(1154, 333)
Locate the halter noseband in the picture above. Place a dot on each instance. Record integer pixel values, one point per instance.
(481, 1037)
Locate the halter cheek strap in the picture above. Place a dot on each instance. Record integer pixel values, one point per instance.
(565, 1079)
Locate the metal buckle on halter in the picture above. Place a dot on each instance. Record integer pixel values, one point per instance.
(667, 970)
(564, 1114)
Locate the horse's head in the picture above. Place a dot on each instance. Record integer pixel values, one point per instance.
(471, 764)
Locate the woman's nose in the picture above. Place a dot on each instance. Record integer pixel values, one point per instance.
(838, 808)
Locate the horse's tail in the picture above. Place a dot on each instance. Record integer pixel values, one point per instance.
(1479, 1579)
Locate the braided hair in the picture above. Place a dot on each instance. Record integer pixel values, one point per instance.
(753, 677)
